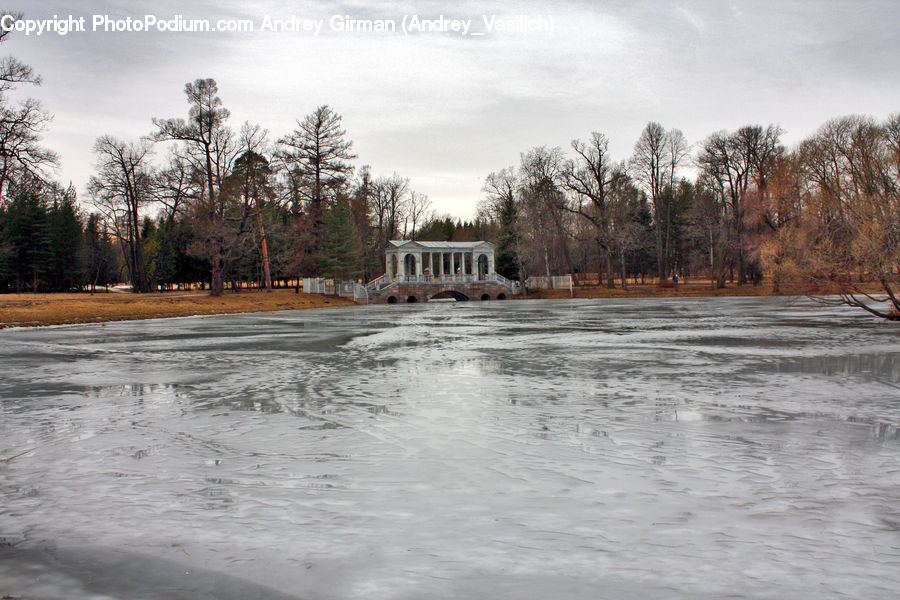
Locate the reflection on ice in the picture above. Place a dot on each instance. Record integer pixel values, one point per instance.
(666, 449)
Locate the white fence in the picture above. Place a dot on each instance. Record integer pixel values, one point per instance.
(556, 282)
(357, 291)
(329, 287)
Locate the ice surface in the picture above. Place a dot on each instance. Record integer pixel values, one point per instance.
(709, 448)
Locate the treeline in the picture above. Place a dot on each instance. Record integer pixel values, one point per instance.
(824, 216)
(196, 200)
(45, 245)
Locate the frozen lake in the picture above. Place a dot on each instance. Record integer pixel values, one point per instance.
(710, 448)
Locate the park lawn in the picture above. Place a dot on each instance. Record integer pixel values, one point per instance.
(28, 310)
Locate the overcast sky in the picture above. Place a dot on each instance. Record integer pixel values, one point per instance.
(446, 109)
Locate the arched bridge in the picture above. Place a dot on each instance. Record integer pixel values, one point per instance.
(422, 288)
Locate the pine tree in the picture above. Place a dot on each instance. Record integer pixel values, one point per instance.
(64, 230)
(340, 245)
(29, 246)
(98, 259)
(319, 156)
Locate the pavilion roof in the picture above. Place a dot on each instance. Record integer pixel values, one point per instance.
(441, 245)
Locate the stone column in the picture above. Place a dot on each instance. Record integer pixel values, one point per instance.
(419, 266)
(453, 263)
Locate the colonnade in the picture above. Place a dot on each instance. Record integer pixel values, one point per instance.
(409, 263)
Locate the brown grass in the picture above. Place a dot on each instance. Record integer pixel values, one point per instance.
(18, 310)
(29, 310)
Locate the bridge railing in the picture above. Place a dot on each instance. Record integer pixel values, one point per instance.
(450, 278)
(357, 291)
(503, 280)
(377, 284)
(446, 278)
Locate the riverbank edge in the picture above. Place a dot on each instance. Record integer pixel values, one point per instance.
(42, 310)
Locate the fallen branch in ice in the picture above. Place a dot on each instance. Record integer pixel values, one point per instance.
(6, 460)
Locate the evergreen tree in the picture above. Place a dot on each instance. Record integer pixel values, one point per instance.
(98, 258)
(438, 229)
(340, 245)
(507, 263)
(6, 251)
(64, 231)
(28, 242)
(319, 156)
(501, 209)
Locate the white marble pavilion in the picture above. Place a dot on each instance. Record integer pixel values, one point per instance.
(411, 260)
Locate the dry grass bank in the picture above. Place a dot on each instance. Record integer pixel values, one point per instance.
(18, 310)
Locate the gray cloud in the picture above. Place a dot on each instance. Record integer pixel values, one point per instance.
(445, 110)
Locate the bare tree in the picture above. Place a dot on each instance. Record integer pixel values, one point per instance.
(389, 205)
(21, 125)
(776, 212)
(544, 206)
(361, 213)
(251, 181)
(209, 144)
(177, 183)
(624, 203)
(12, 70)
(849, 231)
(657, 156)
(734, 161)
(250, 184)
(122, 190)
(418, 210)
(588, 179)
(710, 222)
(501, 207)
(20, 150)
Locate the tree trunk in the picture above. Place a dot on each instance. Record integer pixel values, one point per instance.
(610, 275)
(660, 260)
(265, 251)
(217, 277)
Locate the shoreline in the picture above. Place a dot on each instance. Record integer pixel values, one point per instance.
(41, 310)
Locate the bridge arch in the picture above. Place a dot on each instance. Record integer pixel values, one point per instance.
(458, 296)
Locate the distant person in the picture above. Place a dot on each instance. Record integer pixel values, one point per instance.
(675, 277)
